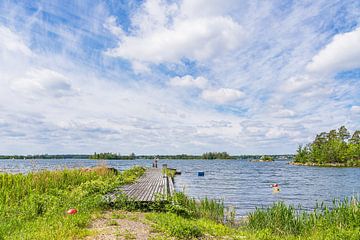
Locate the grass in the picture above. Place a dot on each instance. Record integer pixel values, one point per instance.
(278, 222)
(168, 172)
(33, 206)
(190, 228)
(181, 205)
(343, 218)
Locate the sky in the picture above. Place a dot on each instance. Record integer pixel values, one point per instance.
(172, 77)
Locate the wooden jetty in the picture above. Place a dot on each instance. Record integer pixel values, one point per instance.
(150, 185)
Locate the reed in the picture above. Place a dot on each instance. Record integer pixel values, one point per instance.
(342, 217)
(189, 207)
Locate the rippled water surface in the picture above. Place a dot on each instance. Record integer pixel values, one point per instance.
(240, 183)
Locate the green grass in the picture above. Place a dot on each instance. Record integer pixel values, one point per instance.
(33, 206)
(340, 221)
(169, 172)
(191, 208)
(278, 222)
(181, 205)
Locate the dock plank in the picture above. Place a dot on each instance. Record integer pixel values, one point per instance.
(148, 186)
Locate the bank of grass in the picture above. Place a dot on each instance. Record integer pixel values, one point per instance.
(280, 221)
(33, 206)
(340, 221)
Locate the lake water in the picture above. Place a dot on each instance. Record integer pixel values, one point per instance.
(239, 183)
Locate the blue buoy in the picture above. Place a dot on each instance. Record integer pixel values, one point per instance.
(201, 174)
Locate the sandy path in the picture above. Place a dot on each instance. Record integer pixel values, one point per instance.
(122, 225)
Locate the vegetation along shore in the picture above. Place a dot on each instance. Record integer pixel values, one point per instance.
(133, 156)
(35, 206)
(336, 148)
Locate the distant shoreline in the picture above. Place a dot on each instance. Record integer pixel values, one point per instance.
(284, 157)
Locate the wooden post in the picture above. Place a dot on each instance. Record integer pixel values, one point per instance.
(164, 169)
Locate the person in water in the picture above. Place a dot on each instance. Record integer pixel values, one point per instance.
(275, 188)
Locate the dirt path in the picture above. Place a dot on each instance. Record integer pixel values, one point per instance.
(122, 225)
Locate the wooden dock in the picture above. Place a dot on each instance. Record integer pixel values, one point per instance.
(152, 184)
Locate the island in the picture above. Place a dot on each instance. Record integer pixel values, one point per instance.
(336, 148)
(264, 158)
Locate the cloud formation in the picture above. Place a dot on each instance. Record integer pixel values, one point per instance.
(185, 76)
(168, 33)
(222, 95)
(188, 81)
(43, 82)
(341, 54)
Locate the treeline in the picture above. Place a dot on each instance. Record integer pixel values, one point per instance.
(334, 147)
(132, 156)
(266, 158)
(208, 155)
(113, 156)
(46, 156)
(216, 155)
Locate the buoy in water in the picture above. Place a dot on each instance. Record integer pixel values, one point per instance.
(72, 211)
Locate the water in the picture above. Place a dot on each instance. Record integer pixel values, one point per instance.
(239, 183)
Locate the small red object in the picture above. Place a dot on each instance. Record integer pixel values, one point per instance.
(72, 211)
(275, 185)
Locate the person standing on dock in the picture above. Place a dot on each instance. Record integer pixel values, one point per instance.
(155, 162)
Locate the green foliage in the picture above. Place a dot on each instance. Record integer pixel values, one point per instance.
(332, 148)
(34, 206)
(168, 172)
(216, 155)
(112, 156)
(266, 158)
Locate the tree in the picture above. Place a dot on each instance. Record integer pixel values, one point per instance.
(343, 133)
(332, 147)
(355, 139)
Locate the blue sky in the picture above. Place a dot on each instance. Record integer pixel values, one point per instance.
(163, 77)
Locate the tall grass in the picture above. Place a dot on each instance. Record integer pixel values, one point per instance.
(343, 217)
(33, 206)
(179, 204)
(204, 208)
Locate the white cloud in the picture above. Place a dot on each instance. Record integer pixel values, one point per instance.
(355, 109)
(12, 41)
(342, 53)
(110, 24)
(164, 34)
(284, 113)
(277, 132)
(188, 81)
(43, 81)
(140, 67)
(222, 95)
(206, 8)
(298, 83)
